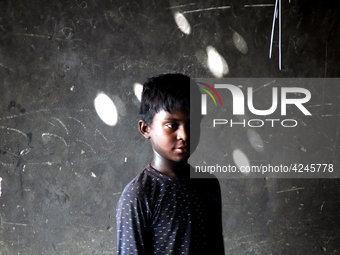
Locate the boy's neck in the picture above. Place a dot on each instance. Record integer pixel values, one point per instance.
(171, 168)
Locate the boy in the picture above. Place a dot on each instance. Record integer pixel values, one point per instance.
(162, 210)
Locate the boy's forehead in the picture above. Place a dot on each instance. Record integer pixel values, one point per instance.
(173, 115)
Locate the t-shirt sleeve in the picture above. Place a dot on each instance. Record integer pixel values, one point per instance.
(131, 225)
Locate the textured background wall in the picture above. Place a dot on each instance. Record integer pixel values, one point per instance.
(63, 168)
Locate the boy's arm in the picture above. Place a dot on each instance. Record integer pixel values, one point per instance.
(217, 238)
(131, 225)
(220, 239)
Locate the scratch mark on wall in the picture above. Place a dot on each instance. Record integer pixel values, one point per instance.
(5, 164)
(219, 7)
(277, 14)
(258, 5)
(322, 206)
(120, 11)
(97, 131)
(265, 85)
(43, 110)
(49, 37)
(179, 6)
(0, 185)
(82, 4)
(83, 178)
(15, 130)
(287, 190)
(108, 22)
(208, 9)
(331, 115)
(10, 223)
(29, 163)
(67, 32)
(81, 141)
(25, 151)
(81, 123)
(272, 33)
(41, 163)
(7, 67)
(302, 122)
(318, 105)
(16, 224)
(61, 123)
(54, 135)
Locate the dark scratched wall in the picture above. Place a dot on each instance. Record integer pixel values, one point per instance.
(63, 164)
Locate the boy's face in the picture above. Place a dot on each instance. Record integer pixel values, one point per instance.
(169, 134)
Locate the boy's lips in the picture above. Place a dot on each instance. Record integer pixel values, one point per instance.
(182, 149)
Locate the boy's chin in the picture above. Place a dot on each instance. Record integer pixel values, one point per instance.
(182, 160)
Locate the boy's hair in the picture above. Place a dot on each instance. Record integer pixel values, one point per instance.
(169, 92)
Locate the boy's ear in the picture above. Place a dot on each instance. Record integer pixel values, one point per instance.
(144, 129)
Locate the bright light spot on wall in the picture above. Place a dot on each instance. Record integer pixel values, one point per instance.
(255, 140)
(240, 43)
(182, 23)
(216, 63)
(138, 88)
(106, 109)
(241, 160)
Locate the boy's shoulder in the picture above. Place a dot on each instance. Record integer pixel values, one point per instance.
(146, 182)
(150, 180)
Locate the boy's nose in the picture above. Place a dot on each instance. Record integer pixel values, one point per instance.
(183, 134)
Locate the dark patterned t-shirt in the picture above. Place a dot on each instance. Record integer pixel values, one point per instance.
(157, 214)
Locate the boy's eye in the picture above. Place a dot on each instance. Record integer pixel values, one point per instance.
(171, 125)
